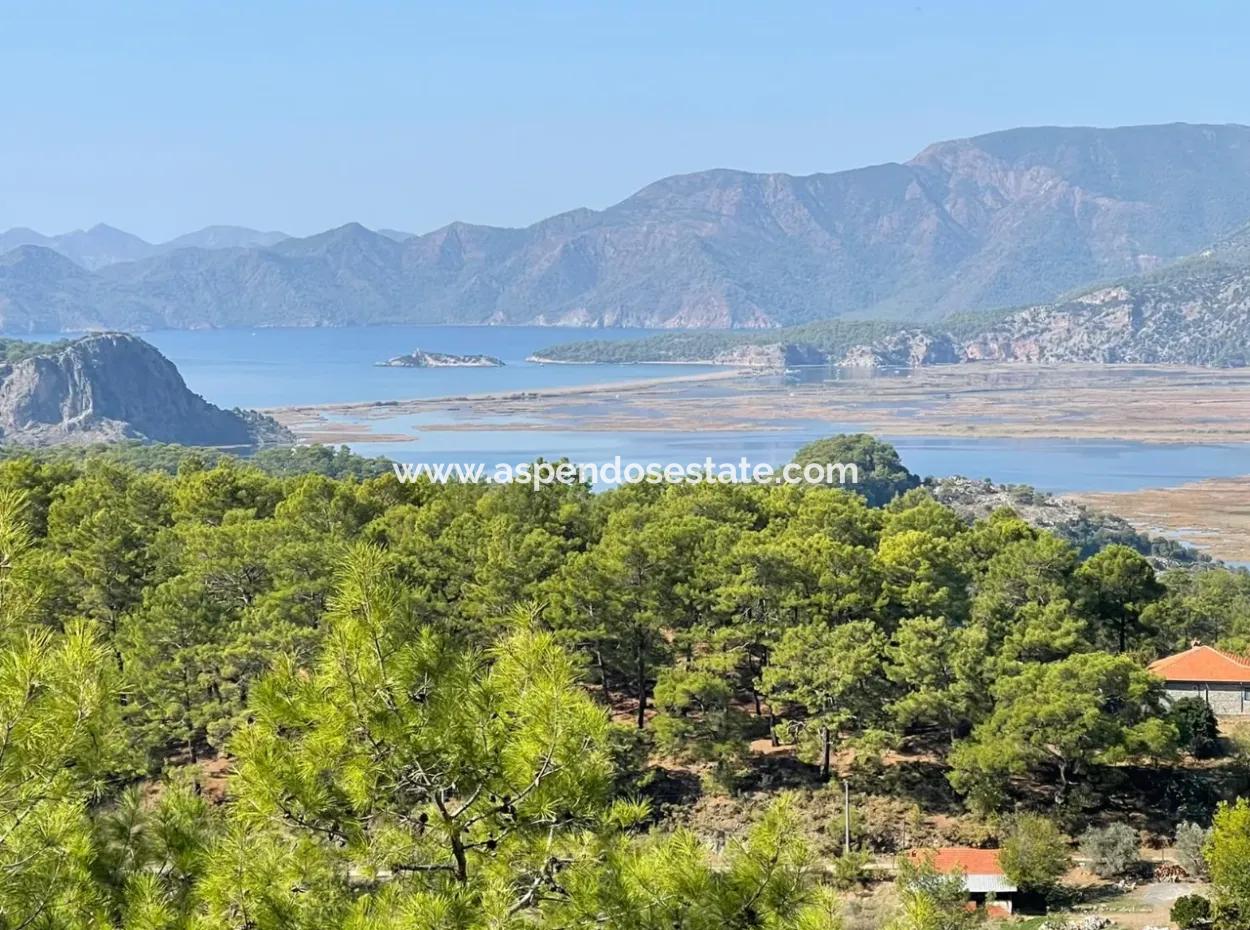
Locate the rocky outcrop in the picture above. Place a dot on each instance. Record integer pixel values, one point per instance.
(420, 359)
(1195, 314)
(910, 348)
(1087, 529)
(772, 356)
(113, 386)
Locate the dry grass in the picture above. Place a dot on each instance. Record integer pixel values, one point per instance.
(1213, 515)
(1061, 401)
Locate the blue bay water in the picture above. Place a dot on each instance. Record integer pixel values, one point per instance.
(1056, 465)
(279, 367)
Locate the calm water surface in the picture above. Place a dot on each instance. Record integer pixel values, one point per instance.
(1055, 465)
(276, 367)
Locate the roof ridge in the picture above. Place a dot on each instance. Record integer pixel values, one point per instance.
(1190, 665)
(1199, 647)
(1235, 656)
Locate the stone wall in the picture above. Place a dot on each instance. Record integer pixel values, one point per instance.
(1226, 700)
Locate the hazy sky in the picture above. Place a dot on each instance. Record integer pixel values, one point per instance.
(164, 117)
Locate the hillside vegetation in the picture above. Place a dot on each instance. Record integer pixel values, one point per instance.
(236, 700)
(1193, 312)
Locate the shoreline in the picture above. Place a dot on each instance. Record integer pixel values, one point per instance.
(1210, 515)
(572, 390)
(1146, 404)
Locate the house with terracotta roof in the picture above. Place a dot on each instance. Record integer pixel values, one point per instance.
(1220, 678)
(984, 879)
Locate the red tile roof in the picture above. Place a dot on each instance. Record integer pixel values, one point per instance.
(1203, 663)
(961, 859)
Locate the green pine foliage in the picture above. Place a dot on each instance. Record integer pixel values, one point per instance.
(233, 697)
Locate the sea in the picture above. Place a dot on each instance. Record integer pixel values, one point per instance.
(282, 367)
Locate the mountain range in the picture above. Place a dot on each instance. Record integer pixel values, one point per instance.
(103, 245)
(1195, 311)
(1020, 217)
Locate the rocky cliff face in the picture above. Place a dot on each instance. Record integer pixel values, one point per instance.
(771, 356)
(910, 348)
(1194, 315)
(107, 387)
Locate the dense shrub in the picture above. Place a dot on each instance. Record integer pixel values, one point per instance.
(1111, 850)
(1034, 853)
(1190, 911)
(1197, 727)
(1190, 840)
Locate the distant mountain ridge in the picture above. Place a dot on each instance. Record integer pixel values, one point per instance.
(103, 245)
(1019, 217)
(1193, 312)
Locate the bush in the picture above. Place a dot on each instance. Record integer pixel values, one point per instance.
(1111, 850)
(1190, 911)
(1034, 853)
(1228, 861)
(1196, 726)
(847, 870)
(886, 824)
(1190, 839)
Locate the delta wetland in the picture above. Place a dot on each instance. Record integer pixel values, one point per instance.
(1165, 408)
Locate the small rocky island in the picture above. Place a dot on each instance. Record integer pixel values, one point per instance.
(419, 359)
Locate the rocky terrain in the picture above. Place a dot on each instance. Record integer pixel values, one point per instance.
(1195, 312)
(1012, 218)
(771, 355)
(1085, 528)
(420, 359)
(1195, 316)
(112, 386)
(909, 348)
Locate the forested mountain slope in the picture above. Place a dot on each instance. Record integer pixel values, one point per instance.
(1195, 311)
(1010, 218)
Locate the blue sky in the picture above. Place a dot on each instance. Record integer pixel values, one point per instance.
(164, 117)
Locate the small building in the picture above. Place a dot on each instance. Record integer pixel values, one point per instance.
(984, 879)
(1220, 678)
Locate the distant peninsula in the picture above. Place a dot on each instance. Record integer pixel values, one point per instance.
(420, 359)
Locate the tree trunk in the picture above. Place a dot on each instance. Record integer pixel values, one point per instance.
(603, 675)
(457, 852)
(826, 753)
(641, 658)
(1062, 791)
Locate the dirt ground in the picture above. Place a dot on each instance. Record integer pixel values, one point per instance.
(1147, 905)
